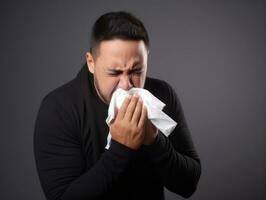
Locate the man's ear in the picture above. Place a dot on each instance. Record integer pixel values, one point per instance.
(90, 62)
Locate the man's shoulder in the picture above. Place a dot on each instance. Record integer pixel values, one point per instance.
(162, 90)
(157, 86)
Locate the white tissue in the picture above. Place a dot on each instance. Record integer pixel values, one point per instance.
(154, 110)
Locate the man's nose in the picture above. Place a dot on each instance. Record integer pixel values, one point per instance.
(125, 82)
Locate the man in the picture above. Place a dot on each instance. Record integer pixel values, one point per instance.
(70, 131)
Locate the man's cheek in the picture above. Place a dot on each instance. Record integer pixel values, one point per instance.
(111, 89)
(136, 81)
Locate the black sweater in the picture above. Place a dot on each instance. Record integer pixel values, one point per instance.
(72, 162)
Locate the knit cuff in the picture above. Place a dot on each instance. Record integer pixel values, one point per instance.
(155, 150)
(120, 149)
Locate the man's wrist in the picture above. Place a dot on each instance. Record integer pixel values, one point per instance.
(151, 140)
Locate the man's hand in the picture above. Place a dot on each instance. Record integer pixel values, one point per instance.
(128, 127)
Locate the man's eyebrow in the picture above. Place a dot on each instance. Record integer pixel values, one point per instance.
(136, 66)
(114, 70)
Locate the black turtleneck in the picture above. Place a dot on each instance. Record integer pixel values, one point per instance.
(72, 163)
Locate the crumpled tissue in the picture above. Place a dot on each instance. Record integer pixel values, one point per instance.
(154, 110)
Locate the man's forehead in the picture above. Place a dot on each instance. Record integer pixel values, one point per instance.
(121, 48)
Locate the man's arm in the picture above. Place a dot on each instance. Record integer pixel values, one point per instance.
(175, 158)
(60, 160)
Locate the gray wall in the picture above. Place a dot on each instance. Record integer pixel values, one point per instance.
(212, 53)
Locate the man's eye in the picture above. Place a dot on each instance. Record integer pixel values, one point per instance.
(114, 74)
(137, 72)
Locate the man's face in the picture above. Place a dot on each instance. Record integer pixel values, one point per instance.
(119, 64)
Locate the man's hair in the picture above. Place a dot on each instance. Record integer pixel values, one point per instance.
(117, 25)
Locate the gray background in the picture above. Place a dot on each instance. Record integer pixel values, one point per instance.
(212, 53)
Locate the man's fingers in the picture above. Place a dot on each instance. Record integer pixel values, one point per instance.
(137, 112)
(143, 117)
(131, 108)
(123, 108)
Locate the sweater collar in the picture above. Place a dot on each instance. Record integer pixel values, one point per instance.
(87, 85)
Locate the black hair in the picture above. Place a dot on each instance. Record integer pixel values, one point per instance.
(121, 25)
